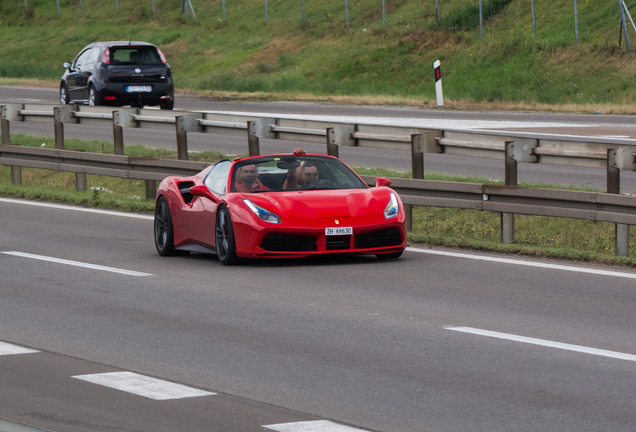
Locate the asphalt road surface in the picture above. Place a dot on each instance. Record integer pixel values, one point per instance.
(587, 125)
(434, 341)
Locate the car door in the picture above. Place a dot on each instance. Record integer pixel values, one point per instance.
(76, 79)
(202, 212)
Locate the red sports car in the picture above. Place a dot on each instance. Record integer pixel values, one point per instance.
(282, 205)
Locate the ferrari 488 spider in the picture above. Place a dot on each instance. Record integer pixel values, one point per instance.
(283, 205)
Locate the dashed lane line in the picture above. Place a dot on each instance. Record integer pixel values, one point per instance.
(77, 208)
(545, 343)
(311, 426)
(142, 385)
(525, 263)
(9, 349)
(77, 263)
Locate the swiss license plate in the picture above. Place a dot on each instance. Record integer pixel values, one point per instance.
(338, 231)
(138, 89)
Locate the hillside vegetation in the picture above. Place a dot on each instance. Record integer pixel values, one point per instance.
(322, 57)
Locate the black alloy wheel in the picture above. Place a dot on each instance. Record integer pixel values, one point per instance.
(224, 237)
(64, 95)
(164, 233)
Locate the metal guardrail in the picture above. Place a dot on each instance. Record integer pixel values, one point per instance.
(543, 149)
(591, 206)
(613, 155)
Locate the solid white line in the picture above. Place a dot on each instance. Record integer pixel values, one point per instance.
(525, 263)
(311, 426)
(8, 349)
(73, 208)
(546, 343)
(77, 263)
(142, 385)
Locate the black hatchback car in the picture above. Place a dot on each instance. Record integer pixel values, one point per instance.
(118, 73)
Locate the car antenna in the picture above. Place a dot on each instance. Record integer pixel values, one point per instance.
(130, 41)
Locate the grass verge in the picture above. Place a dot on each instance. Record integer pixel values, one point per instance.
(570, 239)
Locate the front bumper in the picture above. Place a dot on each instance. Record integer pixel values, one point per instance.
(297, 242)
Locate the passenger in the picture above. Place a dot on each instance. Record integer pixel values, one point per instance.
(247, 180)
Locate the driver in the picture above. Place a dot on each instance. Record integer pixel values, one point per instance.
(247, 180)
(309, 173)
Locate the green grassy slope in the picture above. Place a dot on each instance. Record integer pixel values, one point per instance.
(323, 57)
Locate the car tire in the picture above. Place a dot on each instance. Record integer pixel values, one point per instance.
(64, 99)
(388, 256)
(224, 237)
(167, 106)
(94, 98)
(164, 231)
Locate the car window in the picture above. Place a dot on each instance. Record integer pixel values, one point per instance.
(81, 59)
(289, 173)
(134, 55)
(216, 180)
(93, 56)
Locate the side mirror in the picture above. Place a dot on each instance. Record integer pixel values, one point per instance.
(203, 191)
(381, 181)
(67, 65)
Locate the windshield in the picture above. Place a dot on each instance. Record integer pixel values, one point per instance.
(137, 55)
(291, 173)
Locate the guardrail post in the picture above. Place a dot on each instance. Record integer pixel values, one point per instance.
(118, 137)
(508, 219)
(618, 159)
(256, 129)
(332, 149)
(10, 112)
(80, 182)
(151, 189)
(16, 175)
(5, 130)
(186, 123)
(121, 119)
(62, 114)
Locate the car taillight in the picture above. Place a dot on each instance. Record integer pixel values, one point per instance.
(110, 97)
(106, 57)
(163, 58)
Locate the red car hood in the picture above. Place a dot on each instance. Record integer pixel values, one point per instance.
(324, 203)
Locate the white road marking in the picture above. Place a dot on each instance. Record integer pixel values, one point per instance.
(142, 385)
(312, 426)
(408, 122)
(77, 208)
(76, 263)
(8, 349)
(546, 343)
(525, 263)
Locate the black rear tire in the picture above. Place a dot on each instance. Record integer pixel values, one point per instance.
(394, 255)
(224, 237)
(164, 232)
(94, 98)
(167, 106)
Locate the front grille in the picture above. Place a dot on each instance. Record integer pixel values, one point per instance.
(277, 242)
(380, 238)
(338, 242)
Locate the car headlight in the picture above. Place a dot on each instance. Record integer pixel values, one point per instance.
(264, 215)
(392, 209)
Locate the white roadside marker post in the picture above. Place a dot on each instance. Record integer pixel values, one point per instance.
(438, 83)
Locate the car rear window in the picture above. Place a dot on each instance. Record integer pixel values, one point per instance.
(134, 55)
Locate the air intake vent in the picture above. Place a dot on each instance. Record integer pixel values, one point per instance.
(338, 242)
(380, 238)
(277, 242)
